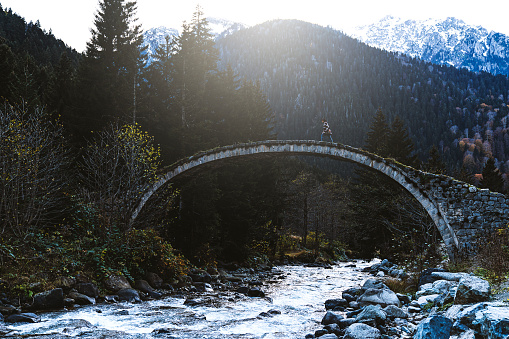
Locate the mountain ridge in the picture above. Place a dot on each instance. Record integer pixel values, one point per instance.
(447, 41)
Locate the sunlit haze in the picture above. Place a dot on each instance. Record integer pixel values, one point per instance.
(71, 20)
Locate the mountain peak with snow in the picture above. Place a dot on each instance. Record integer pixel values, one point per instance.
(448, 41)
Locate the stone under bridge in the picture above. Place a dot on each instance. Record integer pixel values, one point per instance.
(459, 210)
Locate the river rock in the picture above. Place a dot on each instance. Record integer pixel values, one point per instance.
(331, 304)
(434, 327)
(143, 286)
(200, 276)
(88, 289)
(438, 287)
(344, 323)
(333, 328)
(487, 319)
(353, 291)
(472, 290)
(184, 280)
(81, 299)
(129, 295)
(361, 331)
(329, 336)
(53, 299)
(373, 283)
(255, 292)
(154, 280)
(382, 297)
(426, 276)
(205, 287)
(425, 299)
(448, 276)
(405, 299)
(372, 313)
(348, 297)
(8, 310)
(331, 318)
(395, 312)
(116, 282)
(23, 318)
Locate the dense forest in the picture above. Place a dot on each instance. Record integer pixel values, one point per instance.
(309, 72)
(83, 135)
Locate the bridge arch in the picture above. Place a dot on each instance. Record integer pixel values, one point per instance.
(402, 174)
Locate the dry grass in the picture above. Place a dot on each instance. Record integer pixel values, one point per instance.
(404, 286)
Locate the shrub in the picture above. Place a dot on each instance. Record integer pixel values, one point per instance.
(33, 163)
(493, 255)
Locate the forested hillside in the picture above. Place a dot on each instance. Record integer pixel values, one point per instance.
(32, 61)
(309, 72)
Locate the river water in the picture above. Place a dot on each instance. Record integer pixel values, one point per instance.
(294, 306)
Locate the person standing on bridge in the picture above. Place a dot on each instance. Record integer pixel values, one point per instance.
(326, 130)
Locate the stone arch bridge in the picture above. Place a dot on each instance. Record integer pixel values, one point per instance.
(459, 210)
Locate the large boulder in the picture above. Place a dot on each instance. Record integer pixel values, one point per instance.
(255, 292)
(81, 299)
(434, 327)
(154, 280)
(448, 276)
(395, 312)
(361, 331)
(331, 304)
(437, 287)
(426, 276)
(115, 283)
(23, 318)
(488, 320)
(382, 297)
(372, 314)
(49, 300)
(129, 295)
(143, 286)
(200, 276)
(88, 289)
(472, 290)
(331, 318)
(373, 283)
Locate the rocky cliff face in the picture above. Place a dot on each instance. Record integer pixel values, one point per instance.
(450, 41)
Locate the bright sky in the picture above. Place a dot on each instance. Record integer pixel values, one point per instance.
(71, 20)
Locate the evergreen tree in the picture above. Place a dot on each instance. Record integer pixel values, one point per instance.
(7, 69)
(109, 74)
(399, 145)
(434, 163)
(376, 140)
(491, 177)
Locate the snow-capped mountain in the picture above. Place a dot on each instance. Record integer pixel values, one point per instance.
(155, 36)
(448, 41)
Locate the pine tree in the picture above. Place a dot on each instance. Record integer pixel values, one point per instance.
(109, 74)
(7, 68)
(399, 145)
(491, 177)
(435, 163)
(376, 140)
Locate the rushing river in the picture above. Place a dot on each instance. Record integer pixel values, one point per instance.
(293, 307)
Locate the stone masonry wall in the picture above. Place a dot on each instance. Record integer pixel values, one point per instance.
(469, 210)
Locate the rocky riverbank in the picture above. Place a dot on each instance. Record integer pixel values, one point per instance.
(198, 287)
(446, 305)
